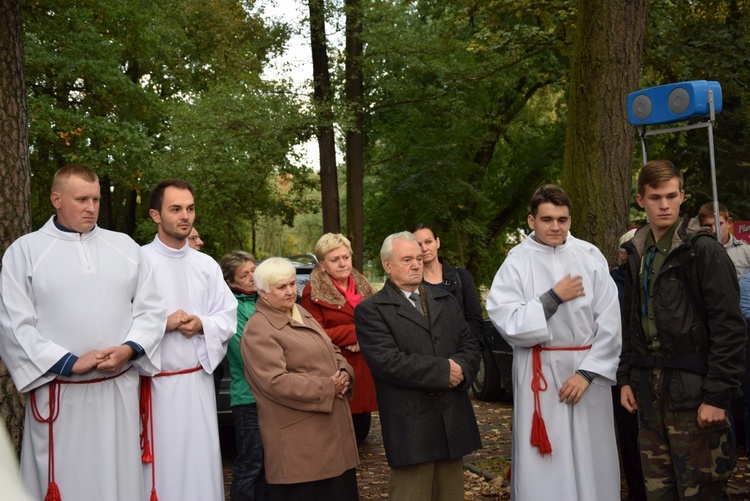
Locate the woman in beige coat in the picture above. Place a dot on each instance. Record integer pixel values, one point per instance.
(300, 381)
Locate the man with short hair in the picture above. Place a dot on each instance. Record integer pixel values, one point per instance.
(738, 250)
(202, 318)
(194, 239)
(555, 303)
(683, 344)
(423, 359)
(78, 308)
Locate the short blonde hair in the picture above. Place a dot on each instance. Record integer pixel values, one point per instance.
(329, 242)
(271, 271)
(72, 170)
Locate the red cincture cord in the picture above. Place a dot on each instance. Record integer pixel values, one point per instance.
(147, 422)
(539, 438)
(53, 491)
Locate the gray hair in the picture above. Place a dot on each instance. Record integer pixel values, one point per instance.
(233, 260)
(271, 271)
(386, 251)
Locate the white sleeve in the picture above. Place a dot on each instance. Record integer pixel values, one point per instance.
(149, 317)
(219, 325)
(519, 319)
(25, 351)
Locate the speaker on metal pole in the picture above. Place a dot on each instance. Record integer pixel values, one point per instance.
(670, 103)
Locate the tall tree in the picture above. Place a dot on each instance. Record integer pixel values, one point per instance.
(323, 97)
(605, 67)
(141, 90)
(15, 214)
(464, 117)
(355, 145)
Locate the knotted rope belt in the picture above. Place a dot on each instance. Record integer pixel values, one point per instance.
(147, 422)
(539, 438)
(53, 491)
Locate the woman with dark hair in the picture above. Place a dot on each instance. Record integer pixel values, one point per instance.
(457, 281)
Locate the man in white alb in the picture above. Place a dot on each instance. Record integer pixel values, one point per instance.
(555, 303)
(79, 307)
(202, 318)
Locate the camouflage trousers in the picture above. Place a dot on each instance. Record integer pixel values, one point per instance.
(682, 460)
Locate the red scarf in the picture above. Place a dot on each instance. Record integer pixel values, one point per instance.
(350, 294)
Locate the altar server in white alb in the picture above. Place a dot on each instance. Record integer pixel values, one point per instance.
(554, 302)
(181, 434)
(78, 308)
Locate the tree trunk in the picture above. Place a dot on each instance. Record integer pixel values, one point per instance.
(106, 217)
(355, 133)
(329, 186)
(131, 203)
(15, 212)
(605, 66)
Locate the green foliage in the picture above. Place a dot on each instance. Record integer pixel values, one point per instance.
(234, 142)
(464, 119)
(705, 40)
(144, 90)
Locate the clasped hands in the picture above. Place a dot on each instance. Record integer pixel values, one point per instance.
(341, 383)
(187, 324)
(107, 360)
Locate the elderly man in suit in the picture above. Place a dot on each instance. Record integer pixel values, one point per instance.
(423, 358)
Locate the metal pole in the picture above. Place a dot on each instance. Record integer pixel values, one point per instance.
(714, 188)
(643, 145)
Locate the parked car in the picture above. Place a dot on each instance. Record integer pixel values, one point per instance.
(495, 377)
(303, 264)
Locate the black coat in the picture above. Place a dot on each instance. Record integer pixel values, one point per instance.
(697, 311)
(422, 418)
(460, 283)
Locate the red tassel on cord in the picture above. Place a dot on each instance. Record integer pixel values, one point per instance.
(147, 457)
(53, 492)
(539, 436)
(153, 495)
(146, 421)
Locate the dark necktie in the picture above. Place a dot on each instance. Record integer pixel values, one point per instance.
(647, 276)
(418, 300)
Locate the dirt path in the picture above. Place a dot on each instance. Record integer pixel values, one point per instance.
(494, 420)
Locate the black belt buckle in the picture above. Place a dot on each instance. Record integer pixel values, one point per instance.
(658, 360)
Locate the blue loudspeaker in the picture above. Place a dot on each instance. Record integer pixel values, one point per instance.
(673, 102)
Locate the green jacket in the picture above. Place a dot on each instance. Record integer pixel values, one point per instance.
(239, 391)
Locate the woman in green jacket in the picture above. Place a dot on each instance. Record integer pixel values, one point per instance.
(248, 476)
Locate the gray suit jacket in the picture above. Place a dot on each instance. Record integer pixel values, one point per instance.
(422, 418)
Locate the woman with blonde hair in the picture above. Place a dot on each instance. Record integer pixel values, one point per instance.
(300, 382)
(334, 290)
